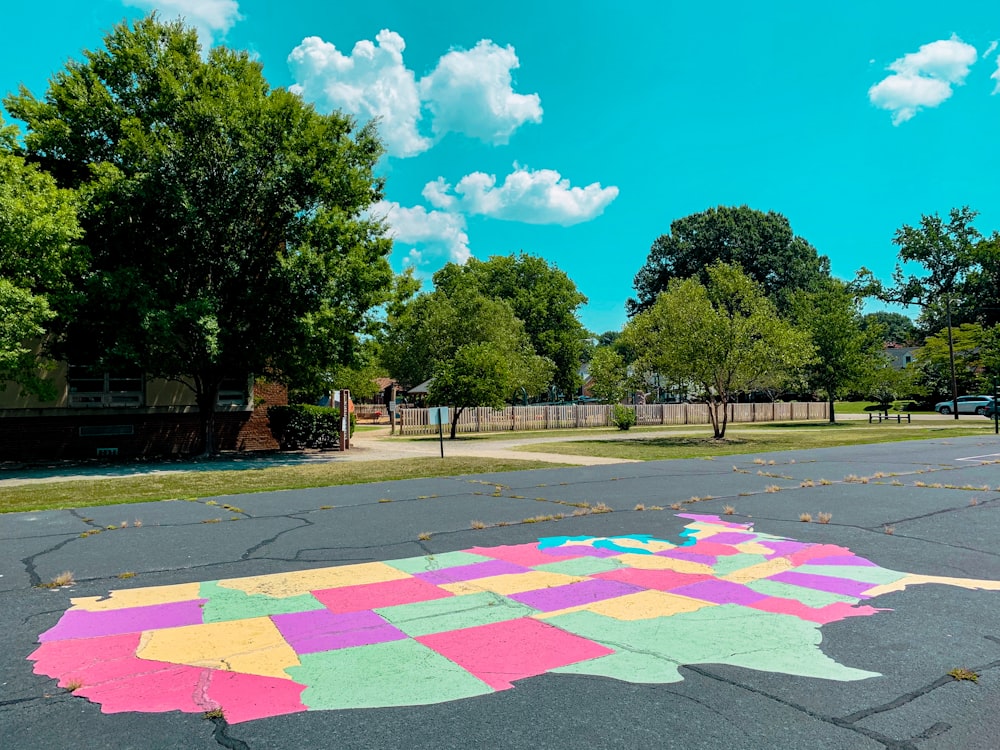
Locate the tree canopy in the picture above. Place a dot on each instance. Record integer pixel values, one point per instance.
(896, 327)
(225, 219)
(724, 337)
(474, 348)
(762, 244)
(40, 257)
(543, 297)
(846, 351)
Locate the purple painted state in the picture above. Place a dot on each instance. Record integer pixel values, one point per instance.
(824, 583)
(842, 560)
(471, 572)
(720, 592)
(323, 630)
(732, 537)
(783, 548)
(81, 623)
(680, 554)
(574, 594)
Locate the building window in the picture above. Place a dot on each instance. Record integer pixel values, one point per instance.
(89, 387)
(234, 392)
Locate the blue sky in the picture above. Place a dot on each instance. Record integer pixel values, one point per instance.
(578, 131)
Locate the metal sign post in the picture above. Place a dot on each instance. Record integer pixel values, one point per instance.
(439, 416)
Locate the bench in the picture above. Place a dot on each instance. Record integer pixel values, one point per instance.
(886, 417)
(370, 413)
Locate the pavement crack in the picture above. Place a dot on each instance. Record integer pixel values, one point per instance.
(29, 562)
(220, 733)
(270, 540)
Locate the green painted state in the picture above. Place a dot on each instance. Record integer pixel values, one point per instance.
(732, 563)
(400, 673)
(864, 573)
(727, 634)
(628, 666)
(427, 563)
(226, 604)
(581, 566)
(453, 613)
(809, 597)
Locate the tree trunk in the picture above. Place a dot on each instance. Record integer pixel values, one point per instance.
(832, 418)
(454, 421)
(206, 412)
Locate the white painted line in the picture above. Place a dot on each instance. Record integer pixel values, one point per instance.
(990, 456)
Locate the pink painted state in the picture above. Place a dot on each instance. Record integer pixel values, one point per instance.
(81, 623)
(502, 652)
(658, 580)
(373, 595)
(830, 613)
(815, 551)
(111, 674)
(782, 548)
(715, 521)
(244, 697)
(711, 547)
(733, 537)
(527, 555)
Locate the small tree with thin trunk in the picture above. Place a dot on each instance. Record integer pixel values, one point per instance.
(724, 337)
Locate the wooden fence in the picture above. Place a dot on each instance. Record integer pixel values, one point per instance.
(514, 418)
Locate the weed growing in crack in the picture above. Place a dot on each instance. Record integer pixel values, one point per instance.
(212, 520)
(759, 461)
(63, 579)
(126, 575)
(807, 483)
(824, 517)
(478, 524)
(963, 673)
(326, 507)
(772, 488)
(424, 536)
(728, 510)
(215, 713)
(386, 499)
(890, 530)
(639, 506)
(675, 506)
(896, 483)
(825, 482)
(974, 501)
(602, 508)
(73, 685)
(805, 517)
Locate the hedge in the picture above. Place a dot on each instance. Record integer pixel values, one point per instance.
(305, 426)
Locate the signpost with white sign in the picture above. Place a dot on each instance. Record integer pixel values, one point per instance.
(439, 416)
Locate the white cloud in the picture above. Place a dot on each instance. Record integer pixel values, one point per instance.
(468, 92)
(991, 49)
(211, 18)
(923, 78)
(533, 197)
(437, 232)
(371, 82)
(471, 92)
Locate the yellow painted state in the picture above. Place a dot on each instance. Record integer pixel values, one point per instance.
(145, 597)
(652, 562)
(252, 646)
(914, 579)
(643, 605)
(653, 545)
(511, 583)
(754, 548)
(282, 585)
(758, 571)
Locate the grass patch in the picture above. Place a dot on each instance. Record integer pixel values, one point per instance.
(757, 440)
(85, 493)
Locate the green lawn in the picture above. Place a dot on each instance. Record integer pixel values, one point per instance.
(760, 439)
(199, 484)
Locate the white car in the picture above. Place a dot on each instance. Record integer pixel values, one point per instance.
(966, 405)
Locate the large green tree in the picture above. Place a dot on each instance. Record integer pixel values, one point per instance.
(541, 295)
(474, 348)
(762, 244)
(40, 256)
(947, 251)
(724, 337)
(846, 351)
(608, 375)
(896, 327)
(226, 220)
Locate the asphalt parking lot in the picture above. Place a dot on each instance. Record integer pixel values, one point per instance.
(912, 529)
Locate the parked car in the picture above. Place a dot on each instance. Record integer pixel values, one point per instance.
(966, 405)
(991, 410)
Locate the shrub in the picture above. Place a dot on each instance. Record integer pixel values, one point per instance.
(622, 417)
(305, 426)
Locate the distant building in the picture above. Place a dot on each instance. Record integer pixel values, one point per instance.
(900, 356)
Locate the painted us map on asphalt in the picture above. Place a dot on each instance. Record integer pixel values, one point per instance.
(460, 624)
